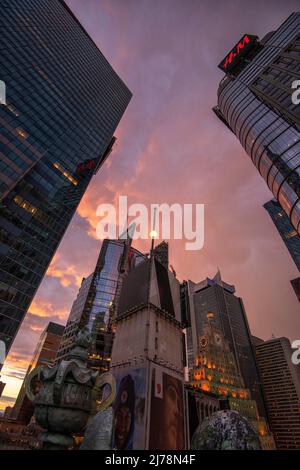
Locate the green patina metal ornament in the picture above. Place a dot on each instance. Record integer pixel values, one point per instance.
(68, 395)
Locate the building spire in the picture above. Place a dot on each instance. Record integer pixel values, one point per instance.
(218, 276)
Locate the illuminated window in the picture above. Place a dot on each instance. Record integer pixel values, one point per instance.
(25, 205)
(65, 173)
(291, 234)
(205, 386)
(22, 133)
(13, 110)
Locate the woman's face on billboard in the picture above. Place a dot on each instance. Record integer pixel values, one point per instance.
(171, 415)
(122, 426)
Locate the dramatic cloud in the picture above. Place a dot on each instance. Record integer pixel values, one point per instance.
(66, 273)
(172, 148)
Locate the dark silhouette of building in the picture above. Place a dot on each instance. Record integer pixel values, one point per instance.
(44, 354)
(161, 253)
(255, 103)
(256, 340)
(63, 104)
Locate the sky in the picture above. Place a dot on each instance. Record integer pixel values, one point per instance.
(171, 148)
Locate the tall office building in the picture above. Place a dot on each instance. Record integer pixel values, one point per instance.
(256, 340)
(97, 301)
(147, 361)
(287, 232)
(289, 236)
(281, 385)
(63, 104)
(44, 354)
(229, 316)
(216, 374)
(255, 102)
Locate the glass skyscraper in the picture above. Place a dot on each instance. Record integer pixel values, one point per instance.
(97, 301)
(287, 232)
(63, 104)
(216, 297)
(255, 102)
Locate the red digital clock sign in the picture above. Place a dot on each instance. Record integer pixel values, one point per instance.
(246, 43)
(85, 166)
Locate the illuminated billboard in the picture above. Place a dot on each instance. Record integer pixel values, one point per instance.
(246, 43)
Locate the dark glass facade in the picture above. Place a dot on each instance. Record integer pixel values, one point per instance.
(256, 104)
(229, 316)
(150, 282)
(64, 102)
(97, 302)
(286, 230)
(161, 254)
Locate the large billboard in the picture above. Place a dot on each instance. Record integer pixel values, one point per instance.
(167, 412)
(129, 409)
(246, 43)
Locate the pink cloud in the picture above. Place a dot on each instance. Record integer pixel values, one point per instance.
(171, 148)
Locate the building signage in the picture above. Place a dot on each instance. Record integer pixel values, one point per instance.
(86, 165)
(246, 43)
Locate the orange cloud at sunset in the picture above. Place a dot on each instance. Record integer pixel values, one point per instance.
(42, 308)
(16, 364)
(66, 273)
(113, 188)
(13, 374)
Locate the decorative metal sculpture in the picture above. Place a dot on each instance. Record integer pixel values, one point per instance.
(69, 393)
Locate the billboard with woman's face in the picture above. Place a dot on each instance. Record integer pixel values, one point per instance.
(129, 410)
(167, 420)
